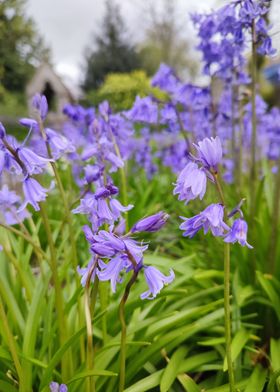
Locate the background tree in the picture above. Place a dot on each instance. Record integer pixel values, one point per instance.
(112, 51)
(21, 47)
(165, 40)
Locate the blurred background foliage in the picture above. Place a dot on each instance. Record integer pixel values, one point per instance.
(121, 89)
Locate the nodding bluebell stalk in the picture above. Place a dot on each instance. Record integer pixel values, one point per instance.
(191, 183)
(227, 309)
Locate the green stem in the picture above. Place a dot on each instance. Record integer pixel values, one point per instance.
(275, 223)
(240, 147)
(62, 325)
(123, 329)
(90, 385)
(227, 310)
(227, 314)
(12, 345)
(254, 122)
(103, 294)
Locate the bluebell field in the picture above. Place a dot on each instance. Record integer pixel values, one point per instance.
(140, 249)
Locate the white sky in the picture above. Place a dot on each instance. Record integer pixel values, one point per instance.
(68, 25)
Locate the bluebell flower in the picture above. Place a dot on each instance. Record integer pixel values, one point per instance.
(191, 183)
(165, 78)
(112, 270)
(55, 387)
(151, 223)
(33, 162)
(156, 281)
(40, 103)
(93, 173)
(144, 110)
(238, 233)
(117, 208)
(9, 204)
(2, 131)
(59, 144)
(33, 192)
(210, 152)
(209, 219)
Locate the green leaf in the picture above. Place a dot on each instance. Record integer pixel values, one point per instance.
(5, 386)
(89, 373)
(265, 281)
(238, 342)
(46, 378)
(188, 383)
(32, 324)
(146, 383)
(171, 371)
(275, 353)
(257, 380)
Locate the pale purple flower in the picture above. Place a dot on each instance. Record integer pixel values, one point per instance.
(39, 102)
(210, 152)
(9, 203)
(156, 281)
(112, 270)
(33, 162)
(33, 192)
(151, 223)
(59, 144)
(238, 233)
(191, 183)
(55, 387)
(117, 208)
(209, 219)
(93, 173)
(2, 131)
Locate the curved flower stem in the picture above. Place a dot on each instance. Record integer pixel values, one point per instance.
(89, 307)
(227, 310)
(123, 331)
(12, 346)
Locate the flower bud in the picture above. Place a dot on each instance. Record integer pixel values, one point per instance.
(151, 223)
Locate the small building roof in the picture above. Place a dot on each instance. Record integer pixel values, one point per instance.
(45, 74)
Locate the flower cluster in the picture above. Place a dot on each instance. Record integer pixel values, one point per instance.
(191, 183)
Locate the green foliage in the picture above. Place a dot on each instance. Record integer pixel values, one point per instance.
(20, 45)
(112, 51)
(121, 89)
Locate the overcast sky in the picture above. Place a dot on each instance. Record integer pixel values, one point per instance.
(68, 25)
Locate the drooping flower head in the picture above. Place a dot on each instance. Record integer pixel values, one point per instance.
(209, 219)
(33, 192)
(210, 152)
(191, 183)
(156, 281)
(238, 233)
